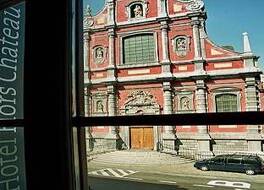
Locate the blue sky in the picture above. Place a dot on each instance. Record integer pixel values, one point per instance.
(227, 20)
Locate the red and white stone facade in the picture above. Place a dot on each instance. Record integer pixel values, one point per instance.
(188, 72)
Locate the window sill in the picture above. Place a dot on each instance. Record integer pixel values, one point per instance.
(137, 65)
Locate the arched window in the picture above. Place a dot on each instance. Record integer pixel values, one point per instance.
(139, 49)
(226, 103)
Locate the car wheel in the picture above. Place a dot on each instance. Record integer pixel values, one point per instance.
(204, 168)
(250, 172)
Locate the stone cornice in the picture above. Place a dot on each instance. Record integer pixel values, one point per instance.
(217, 74)
(152, 20)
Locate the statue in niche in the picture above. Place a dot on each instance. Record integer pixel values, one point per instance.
(99, 53)
(99, 106)
(138, 11)
(185, 103)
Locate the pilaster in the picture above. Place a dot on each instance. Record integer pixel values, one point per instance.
(88, 134)
(253, 135)
(198, 53)
(165, 62)
(202, 136)
(111, 69)
(251, 94)
(168, 135)
(112, 135)
(86, 57)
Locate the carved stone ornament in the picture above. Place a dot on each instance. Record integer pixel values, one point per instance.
(140, 102)
(88, 22)
(99, 54)
(196, 5)
(181, 45)
(185, 1)
(99, 104)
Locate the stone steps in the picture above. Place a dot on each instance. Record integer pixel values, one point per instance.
(137, 157)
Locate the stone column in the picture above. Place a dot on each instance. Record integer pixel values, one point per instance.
(111, 56)
(164, 33)
(86, 58)
(165, 62)
(196, 38)
(198, 55)
(86, 62)
(202, 136)
(168, 134)
(253, 134)
(87, 110)
(112, 134)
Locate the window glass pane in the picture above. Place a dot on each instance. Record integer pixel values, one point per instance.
(226, 103)
(234, 161)
(141, 46)
(12, 32)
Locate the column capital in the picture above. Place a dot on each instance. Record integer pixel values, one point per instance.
(110, 1)
(86, 36)
(166, 86)
(164, 25)
(195, 23)
(111, 89)
(111, 32)
(86, 91)
(200, 84)
(250, 81)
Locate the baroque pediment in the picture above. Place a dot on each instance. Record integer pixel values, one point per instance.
(140, 102)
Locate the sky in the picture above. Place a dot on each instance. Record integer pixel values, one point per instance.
(227, 20)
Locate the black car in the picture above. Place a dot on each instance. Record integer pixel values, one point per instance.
(250, 164)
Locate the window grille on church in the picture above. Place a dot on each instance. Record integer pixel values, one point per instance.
(139, 49)
(226, 103)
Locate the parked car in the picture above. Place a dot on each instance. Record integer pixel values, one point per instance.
(250, 164)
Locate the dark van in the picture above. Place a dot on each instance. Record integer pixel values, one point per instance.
(250, 164)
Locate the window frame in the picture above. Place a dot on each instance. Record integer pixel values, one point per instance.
(130, 34)
(60, 140)
(138, 40)
(226, 97)
(227, 90)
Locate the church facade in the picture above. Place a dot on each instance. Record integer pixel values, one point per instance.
(155, 57)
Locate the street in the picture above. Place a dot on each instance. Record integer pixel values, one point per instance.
(126, 179)
(102, 183)
(151, 170)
